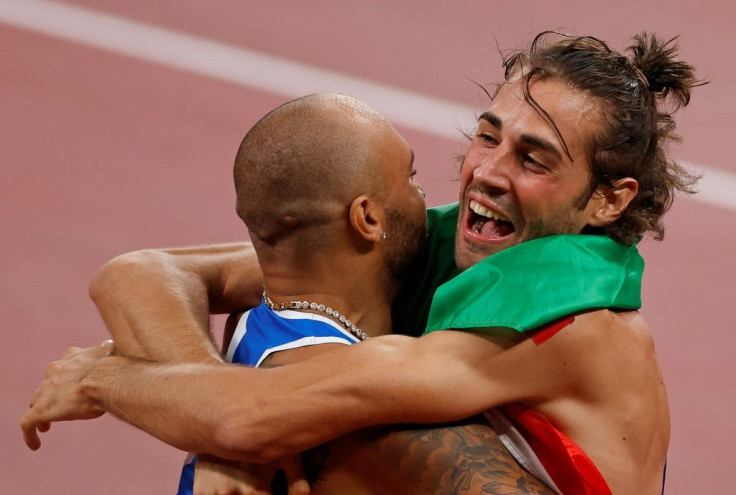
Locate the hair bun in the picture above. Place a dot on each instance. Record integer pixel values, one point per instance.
(664, 75)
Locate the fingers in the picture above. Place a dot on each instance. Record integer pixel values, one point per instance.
(57, 398)
(105, 349)
(53, 367)
(293, 467)
(30, 434)
(34, 398)
(71, 351)
(299, 487)
(74, 353)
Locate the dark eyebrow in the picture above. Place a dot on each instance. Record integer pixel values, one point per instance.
(542, 144)
(492, 119)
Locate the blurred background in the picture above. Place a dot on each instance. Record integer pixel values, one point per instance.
(119, 121)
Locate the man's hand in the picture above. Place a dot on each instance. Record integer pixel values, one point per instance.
(59, 396)
(215, 476)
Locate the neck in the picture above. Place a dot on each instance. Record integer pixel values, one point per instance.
(359, 294)
(312, 306)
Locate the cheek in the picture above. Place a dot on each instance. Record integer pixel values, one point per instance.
(466, 172)
(413, 204)
(420, 209)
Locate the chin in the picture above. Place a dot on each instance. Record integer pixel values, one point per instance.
(468, 253)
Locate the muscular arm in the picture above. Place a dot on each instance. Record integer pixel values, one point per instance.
(156, 303)
(260, 415)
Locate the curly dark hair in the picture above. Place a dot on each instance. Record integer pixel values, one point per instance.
(639, 94)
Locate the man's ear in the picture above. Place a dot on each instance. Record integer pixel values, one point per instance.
(367, 218)
(608, 203)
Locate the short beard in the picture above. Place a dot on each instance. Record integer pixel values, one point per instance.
(406, 241)
(562, 223)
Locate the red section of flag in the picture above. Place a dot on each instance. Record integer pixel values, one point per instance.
(547, 332)
(571, 469)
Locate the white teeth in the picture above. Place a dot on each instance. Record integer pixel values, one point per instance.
(485, 212)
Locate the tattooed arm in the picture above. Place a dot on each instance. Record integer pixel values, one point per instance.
(453, 459)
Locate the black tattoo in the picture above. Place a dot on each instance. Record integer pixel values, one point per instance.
(459, 459)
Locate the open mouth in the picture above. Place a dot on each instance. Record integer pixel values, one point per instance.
(488, 223)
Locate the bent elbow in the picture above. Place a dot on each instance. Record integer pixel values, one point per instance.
(113, 275)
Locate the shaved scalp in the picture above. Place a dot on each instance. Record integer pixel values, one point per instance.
(298, 169)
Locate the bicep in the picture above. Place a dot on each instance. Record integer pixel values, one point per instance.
(442, 376)
(455, 376)
(449, 375)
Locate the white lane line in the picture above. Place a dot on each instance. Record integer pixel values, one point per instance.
(717, 186)
(228, 62)
(245, 67)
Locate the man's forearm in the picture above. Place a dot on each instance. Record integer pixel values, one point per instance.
(228, 410)
(261, 415)
(157, 303)
(198, 407)
(144, 394)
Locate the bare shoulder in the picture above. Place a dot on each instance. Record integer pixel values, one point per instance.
(600, 353)
(618, 334)
(613, 402)
(602, 329)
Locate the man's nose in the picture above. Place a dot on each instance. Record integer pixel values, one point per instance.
(495, 170)
(420, 189)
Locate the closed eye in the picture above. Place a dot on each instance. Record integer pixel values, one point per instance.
(534, 164)
(487, 138)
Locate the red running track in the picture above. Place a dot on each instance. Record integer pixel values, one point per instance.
(103, 154)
